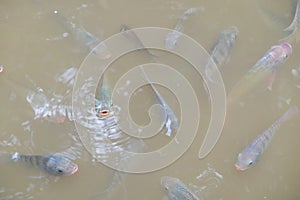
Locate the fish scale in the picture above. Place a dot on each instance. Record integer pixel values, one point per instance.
(261, 71)
(251, 154)
(34, 160)
(52, 164)
(221, 50)
(176, 189)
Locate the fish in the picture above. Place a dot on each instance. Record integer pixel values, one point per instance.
(171, 123)
(130, 34)
(221, 50)
(271, 17)
(103, 104)
(86, 38)
(294, 26)
(67, 77)
(173, 36)
(264, 69)
(252, 153)
(52, 164)
(176, 189)
(1, 68)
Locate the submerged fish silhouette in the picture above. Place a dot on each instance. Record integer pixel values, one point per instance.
(52, 164)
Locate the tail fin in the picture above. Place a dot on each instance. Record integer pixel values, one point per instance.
(290, 113)
(295, 23)
(5, 157)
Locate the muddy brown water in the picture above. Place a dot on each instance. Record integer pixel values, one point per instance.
(34, 51)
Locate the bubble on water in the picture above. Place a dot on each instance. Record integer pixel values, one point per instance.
(295, 73)
(12, 141)
(65, 34)
(208, 172)
(26, 125)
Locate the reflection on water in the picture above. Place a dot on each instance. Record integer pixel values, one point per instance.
(41, 54)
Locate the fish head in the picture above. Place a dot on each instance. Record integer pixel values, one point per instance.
(103, 111)
(103, 108)
(231, 33)
(60, 166)
(168, 182)
(287, 48)
(281, 52)
(245, 160)
(100, 50)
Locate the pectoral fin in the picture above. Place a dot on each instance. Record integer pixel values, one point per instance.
(271, 80)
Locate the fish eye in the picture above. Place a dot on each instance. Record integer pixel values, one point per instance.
(250, 163)
(59, 170)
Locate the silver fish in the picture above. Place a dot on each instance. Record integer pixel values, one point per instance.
(176, 189)
(130, 34)
(294, 26)
(173, 36)
(171, 120)
(52, 164)
(251, 154)
(103, 100)
(263, 69)
(67, 77)
(221, 50)
(85, 37)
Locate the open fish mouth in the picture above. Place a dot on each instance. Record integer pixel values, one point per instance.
(238, 168)
(103, 113)
(75, 169)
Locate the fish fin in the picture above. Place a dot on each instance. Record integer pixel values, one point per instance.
(136, 39)
(152, 54)
(294, 24)
(290, 113)
(293, 37)
(290, 28)
(270, 17)
(271, 80)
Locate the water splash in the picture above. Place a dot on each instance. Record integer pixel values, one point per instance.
(207, 183)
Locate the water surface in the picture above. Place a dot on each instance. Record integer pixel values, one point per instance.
(36, 48)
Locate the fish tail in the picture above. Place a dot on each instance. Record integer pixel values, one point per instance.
(156, 93)
(290, 38)
(291, 27)
(190, 11)
(295, 23)
(63, 20)
(5, 157)
(290, 113)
